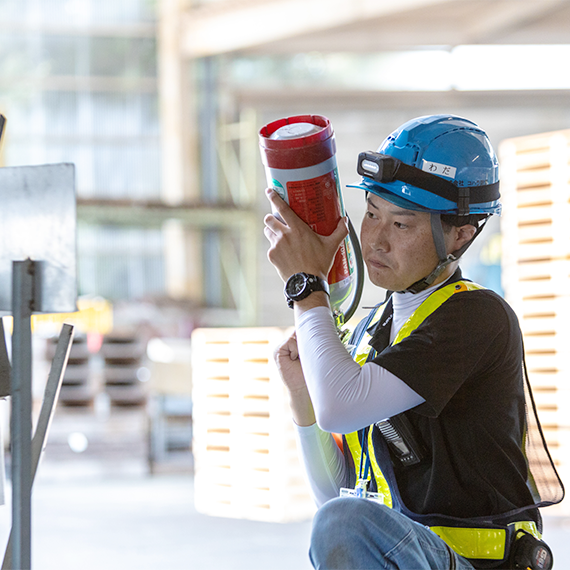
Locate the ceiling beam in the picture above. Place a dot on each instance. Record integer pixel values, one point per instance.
(154, 214)
(231, 26)
(495, 24)
(297, 100)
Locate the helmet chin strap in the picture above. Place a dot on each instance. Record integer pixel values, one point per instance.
(444, 258)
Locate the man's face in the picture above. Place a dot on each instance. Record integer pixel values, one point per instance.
(397, 244)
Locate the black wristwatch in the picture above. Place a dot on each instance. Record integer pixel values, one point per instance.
(300, 285)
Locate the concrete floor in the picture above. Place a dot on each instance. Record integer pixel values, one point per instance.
(149, 523)
(101, 509)
(143, 522)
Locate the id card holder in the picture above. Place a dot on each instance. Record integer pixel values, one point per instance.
(361, 491)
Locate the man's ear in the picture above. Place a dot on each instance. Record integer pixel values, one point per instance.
(463, 234)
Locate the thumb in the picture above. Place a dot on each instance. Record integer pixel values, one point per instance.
(341, 230)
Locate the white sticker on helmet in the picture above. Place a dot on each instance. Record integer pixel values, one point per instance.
(439, 169)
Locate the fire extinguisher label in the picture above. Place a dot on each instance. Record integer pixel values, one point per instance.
(340, 269)
(317, 202)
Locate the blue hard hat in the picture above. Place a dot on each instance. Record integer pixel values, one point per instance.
(439, 163)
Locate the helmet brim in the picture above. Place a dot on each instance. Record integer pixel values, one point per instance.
(393, 192)
(424, 201)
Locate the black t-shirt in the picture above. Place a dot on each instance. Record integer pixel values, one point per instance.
(465, 360)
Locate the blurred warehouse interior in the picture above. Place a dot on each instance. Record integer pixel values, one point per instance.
(159, 103)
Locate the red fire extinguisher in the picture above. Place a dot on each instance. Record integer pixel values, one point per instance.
(299, 155)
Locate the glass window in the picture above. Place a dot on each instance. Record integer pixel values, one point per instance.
(120, 263)
(124, 57)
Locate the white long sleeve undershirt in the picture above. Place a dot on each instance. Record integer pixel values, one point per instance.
(345, 396)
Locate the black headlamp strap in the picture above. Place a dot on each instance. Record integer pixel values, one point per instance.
(385, 168)
(427, 181)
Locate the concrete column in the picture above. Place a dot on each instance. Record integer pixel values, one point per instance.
(180, 158)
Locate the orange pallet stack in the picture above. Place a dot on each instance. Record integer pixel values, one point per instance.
(536, 274)
(246, 463)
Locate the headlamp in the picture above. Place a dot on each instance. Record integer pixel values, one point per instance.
(379, 167)
(383, 168)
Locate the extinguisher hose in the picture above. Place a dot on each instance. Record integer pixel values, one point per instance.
(353, 236)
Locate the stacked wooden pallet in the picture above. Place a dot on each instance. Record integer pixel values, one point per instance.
(246, 464)
(123, 356)
(536, 273)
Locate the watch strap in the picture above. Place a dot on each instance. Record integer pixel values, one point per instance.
(313, 283)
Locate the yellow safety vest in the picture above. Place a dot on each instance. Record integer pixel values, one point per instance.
(474, 543)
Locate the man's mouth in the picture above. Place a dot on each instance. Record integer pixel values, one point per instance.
(377, 263)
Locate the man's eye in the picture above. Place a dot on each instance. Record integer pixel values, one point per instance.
(400, 226)
(370, 214)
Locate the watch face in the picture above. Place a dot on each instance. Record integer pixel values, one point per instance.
(296, 284)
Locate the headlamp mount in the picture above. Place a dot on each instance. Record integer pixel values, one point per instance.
(383, 168)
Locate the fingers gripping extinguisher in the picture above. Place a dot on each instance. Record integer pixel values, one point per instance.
(299, 155)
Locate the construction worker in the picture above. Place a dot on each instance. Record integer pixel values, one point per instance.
(429, 392)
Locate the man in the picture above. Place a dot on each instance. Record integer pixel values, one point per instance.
(432, 412)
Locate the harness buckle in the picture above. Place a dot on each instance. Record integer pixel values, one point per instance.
(463, 200)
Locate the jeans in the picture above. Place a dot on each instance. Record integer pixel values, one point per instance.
(359, 534)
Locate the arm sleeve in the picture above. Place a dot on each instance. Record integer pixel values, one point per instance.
(346, 397)
(323, 462)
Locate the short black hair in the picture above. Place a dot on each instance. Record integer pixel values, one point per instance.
(451, 220)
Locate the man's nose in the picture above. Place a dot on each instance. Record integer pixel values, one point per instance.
(379, 240)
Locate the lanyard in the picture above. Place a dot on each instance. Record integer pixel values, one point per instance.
(364, 464)
(362, 483)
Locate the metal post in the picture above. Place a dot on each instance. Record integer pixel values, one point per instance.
(21, 416)
(47, 412)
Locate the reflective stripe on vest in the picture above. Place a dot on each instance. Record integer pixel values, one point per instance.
(474, 543)
(481, 543)
(431, 304)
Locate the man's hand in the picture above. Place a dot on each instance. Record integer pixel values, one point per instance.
(287, 359)
(295, 246)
